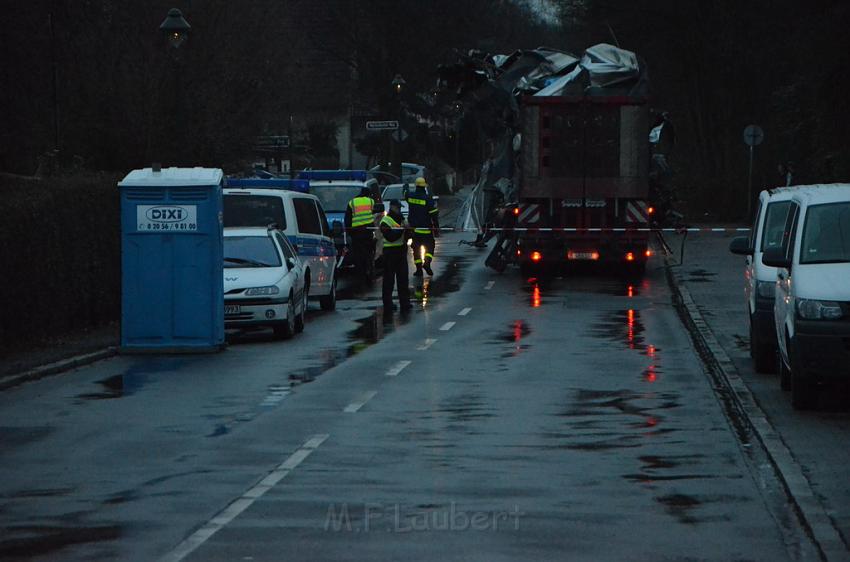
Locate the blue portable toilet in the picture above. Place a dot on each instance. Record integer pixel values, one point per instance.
(171, 260)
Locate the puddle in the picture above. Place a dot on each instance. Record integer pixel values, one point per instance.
(26, 542)
(136, 377)
(465, 408)
(700, 276)
(626, 327)
(40, 493)
(19, 436)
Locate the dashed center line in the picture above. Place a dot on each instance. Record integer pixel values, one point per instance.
(447, 326)
(398, 367)
(355, 406)
(464, 312)
(489, 285)
(232, 511)
(428, 343)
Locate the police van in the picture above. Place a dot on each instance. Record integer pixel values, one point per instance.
(335, 188)
(299, 215)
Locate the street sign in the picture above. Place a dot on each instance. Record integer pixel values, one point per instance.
(381, 125)
(753, 135)
(400, 135)
(273, 141)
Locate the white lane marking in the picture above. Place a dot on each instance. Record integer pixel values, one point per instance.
(276, 395)
(489, 285)
(447, 326)
(355, 406)
(398, 368)
(232, 511)
(428, 343)
(464, 312)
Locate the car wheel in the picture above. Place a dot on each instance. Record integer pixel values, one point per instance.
(287, 328)
(803, 389)
(764, 356)
(301, 318)
(328, 302)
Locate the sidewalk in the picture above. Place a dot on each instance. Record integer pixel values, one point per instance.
(818, 441)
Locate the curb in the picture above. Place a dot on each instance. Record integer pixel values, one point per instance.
(57, 367)
(811, 512)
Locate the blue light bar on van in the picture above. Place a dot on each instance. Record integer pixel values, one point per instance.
(300, 185)
(334, 175)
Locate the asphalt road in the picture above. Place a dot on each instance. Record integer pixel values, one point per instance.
(502, 420)
(816, 439)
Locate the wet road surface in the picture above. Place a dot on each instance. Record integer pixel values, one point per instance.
(567, 419)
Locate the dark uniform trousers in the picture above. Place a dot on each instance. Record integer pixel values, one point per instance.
(396, 273)
(426, 240)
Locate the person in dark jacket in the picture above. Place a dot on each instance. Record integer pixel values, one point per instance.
(394, 232)
(424, 218)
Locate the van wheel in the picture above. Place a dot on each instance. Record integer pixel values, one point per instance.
(328, 302)
(803, 389)
(764, 356)
(784, 373)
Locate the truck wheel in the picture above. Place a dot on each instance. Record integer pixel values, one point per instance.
(764, 356)
(328, 302)
(636, 270)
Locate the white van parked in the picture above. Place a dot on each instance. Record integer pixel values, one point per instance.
(812, 306)
(248, 203)
(760, 279)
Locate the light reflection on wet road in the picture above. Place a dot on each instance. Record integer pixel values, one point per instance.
(559, 419)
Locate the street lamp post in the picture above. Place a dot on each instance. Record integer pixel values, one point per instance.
(398, 86)
(457, 109)
(176, 30)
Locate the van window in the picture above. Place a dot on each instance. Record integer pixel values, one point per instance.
(826, 237)
(774, 224)
(307, 216)
(253, 210)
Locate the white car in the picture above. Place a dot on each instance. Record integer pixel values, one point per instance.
(812, 306)
(300, 216)
(760, 279)
(399, 191)
(264, 281)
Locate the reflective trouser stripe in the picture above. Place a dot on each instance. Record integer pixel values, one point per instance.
(422, 230)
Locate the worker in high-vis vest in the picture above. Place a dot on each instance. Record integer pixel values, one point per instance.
(359, 224)
(424, 218)
(395, 236)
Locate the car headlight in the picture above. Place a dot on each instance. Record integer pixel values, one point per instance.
(819, 310)
(766, 289)
(262, 291)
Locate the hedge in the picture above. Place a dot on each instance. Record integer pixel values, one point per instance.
(60, 256)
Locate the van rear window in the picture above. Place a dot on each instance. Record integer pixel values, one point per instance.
(253, 210)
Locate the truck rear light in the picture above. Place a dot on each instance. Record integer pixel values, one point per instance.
(651, 210)
(516, 211)
(630, 256)
(536, 256)
(518, 252)
(648, 253)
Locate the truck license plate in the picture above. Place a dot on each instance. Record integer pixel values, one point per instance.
(230, 309)
(584, 255)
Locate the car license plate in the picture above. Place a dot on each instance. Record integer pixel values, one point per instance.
(230, 309)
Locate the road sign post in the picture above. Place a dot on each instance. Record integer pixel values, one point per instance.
(753, 136)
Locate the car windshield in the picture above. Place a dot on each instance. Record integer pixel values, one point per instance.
(826, 236)
(393, 192)
(250, 251)
(253, 210)
(335, 198)
(774, 224)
